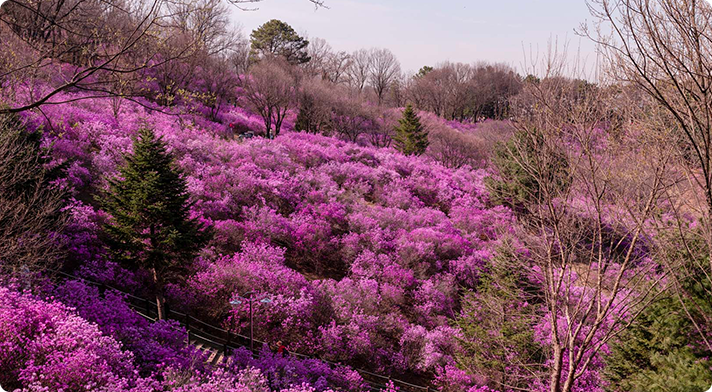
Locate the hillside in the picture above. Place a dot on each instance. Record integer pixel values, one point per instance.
(363, 251)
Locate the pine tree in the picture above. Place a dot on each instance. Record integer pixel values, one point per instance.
(496, 332)
(658, 353)
(411, 137)
(276, 38)
(150, 226)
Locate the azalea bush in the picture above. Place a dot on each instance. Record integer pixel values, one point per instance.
(154, 345)
(284, 371)
(45, 346)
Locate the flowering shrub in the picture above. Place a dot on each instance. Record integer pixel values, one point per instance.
(246, 380)
(360, 252)
(45, 347)
(283, 372)
(154, 345)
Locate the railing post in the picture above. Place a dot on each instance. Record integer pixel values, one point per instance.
(187, 325)
(147, 306)
(227, 342)
(167, 309)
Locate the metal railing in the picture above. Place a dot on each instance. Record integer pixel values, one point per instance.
(223, 340)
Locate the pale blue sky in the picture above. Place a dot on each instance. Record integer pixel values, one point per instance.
(424, 32)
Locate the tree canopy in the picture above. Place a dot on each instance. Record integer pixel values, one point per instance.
(276, 38)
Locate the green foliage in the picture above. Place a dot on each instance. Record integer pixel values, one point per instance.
(150, 226)
(497, 323)
(276, 38)
(656, 354)
(663, 350)
(532, 79)
(525, 166)
(424, 70)
(411, 138)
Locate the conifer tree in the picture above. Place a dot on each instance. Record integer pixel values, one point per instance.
(276, 38)
(411, 138)
(150, 226)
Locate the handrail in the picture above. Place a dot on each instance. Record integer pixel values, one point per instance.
(225, 343)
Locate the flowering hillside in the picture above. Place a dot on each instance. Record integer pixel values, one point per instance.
(363, 251)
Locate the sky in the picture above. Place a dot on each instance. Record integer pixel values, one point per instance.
(422, 32)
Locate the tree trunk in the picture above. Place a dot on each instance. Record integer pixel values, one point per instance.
(569, 383)
(268, 127)
(160, 300)
(555, 380)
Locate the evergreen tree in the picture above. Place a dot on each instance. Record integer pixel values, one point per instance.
(276, 38)
(411, 138)
(150, 226)
(522, 162)
(658, 354)
(423, 71)
(665, 349)
(497, 332)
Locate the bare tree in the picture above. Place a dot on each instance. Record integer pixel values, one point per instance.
(465, 92)
(84, 42)
(318, 52)
(359, 68)
(664, 48)
(384, 71)
(207, 22)
(490, 88)
(239, 56)
(336, 67)
(584, 226)
(31, 209)
(270, 91)
(432, 92)
(88, 45)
